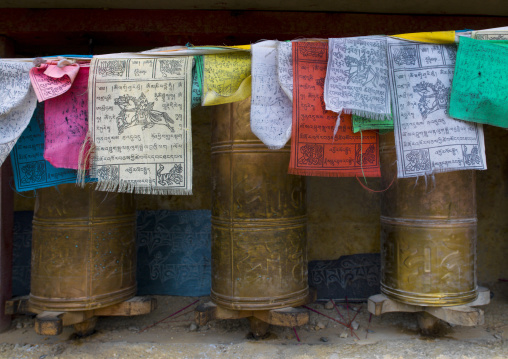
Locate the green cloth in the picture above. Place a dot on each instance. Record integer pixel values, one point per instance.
(480, 83)
(197, 81)
(363, 124)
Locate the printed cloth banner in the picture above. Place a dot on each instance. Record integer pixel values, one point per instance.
(49, 80)
(226, 78)
(174, 252)
(285, 67)
(66, 123)
(315, 151)
(17, 103)
(31, 170)
(271, 110)
(140, 124)
(357, 77)
(480, 85)
(499, 33)
(363, 124)
(427, 140)
(197, 81)
(434, 37)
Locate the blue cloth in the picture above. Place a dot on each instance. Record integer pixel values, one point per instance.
(174, 252)
(31, 170)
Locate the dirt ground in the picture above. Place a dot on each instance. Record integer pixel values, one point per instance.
(392, 335)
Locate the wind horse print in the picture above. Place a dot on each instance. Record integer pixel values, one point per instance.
(427, 139)
(140, 124)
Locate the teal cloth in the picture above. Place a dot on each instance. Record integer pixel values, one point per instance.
(197, 81)
(363, 124)
(480, 83)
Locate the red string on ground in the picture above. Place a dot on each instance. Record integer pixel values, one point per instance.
(349, 321)
(324, 315)
(368, 326)
(358, 311)
(180, 315)
(297, 337)
(169, 316)
(337, 309)
(373, 191)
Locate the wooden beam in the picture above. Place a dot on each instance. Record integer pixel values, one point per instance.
(70, 30)
(6, 220)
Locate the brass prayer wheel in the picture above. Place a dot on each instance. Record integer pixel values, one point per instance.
(259, 220)
(428, 235)
(83, 249)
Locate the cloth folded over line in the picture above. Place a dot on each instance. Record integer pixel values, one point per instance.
(226, 78)
(315, 151)
(50, 81)
(17, 103)
(66, 123)
(432, 37)
(271, 110)
(197, 81)
(285, 67)
(357, 77)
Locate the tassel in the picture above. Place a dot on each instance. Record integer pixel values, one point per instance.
(86, 154)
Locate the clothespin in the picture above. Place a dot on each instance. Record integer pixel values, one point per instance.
(62, 62)
(38, 61)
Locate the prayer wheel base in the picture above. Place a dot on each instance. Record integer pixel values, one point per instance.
(429, 316)
(260, 320)
(433, 299)
(52, 323)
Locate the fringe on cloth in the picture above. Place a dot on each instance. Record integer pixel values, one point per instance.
(128, 187)
(372, 115)
(313, 173)
(86, 155)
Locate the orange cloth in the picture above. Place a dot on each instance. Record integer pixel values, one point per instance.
(314, 149)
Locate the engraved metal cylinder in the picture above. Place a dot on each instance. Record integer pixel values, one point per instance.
(428, 235)
(83, 249)
(259, 219)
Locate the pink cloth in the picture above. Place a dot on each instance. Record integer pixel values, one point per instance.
(50, 81)
(66, 123)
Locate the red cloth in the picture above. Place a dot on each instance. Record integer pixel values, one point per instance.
(314, 150)
(66, 123)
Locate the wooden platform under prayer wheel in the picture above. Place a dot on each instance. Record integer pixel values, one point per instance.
(259, 320)
(52, 323)
(429, 316)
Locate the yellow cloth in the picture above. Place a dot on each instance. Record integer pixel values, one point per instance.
(226, 78)
(435, 37)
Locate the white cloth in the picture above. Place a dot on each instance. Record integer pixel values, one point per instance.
(271, 112)
(285, 67)
(140, 123)
(17, 103)
(357, 77)
(427, 140)
(491, 34)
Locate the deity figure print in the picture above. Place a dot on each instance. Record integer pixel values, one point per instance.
(140, 112)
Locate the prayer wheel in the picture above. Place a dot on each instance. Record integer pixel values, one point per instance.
(428, 235)
(259, 220)
(83, 249)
